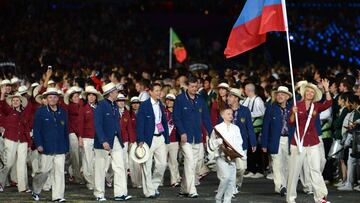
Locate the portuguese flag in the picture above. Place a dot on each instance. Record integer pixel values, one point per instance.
(177, 47)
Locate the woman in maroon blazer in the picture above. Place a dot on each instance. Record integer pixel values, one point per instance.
(17, 138)
(87, 133)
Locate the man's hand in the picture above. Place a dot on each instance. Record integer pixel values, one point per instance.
(325, 83)
(264, 150)
(40, 149)
(81, 142)
(106, 146)
(183, 138)
(253, 149)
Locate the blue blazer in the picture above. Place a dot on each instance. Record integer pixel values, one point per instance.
(106, 120)
(145, 123)
(51, 130)
(189, 117)
(271, 131)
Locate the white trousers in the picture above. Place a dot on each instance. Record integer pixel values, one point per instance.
(135, 173)
(75, 157)
(311, 155)
(56, 165)
(35, 161)
(151, 181)
(191, 157)
(15, 151)
(226, 172)
(173, 150)
(241, 166)
(102, 160)
(88, 159)
(280, 164)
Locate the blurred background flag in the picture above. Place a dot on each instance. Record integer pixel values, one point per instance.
(256, 19)
(176, 47)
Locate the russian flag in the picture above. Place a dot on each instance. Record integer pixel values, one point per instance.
(256, 19)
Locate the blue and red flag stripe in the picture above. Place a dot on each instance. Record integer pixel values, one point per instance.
(256, 19)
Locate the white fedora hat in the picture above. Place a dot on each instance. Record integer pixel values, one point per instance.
(108, 88)
(70, 92)
(50, 91)
(135, 100)
(23, 100)
(318, 93)
(15, 80)
(236, 92)
(22, 89)
(223, 85)
(170, 96)
(139, 154)
(300, 83)
(5, 82)
(50, 82)
(283, 89)
(35, 84)
(91, 90)
(121, 97)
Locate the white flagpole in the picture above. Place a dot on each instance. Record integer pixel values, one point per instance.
(297, 134)
(170, 49)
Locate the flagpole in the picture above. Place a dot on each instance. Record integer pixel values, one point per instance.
(297, 134)
(170, 49)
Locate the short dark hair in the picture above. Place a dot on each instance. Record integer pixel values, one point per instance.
(153, 85)
(145, 82)
(117, 75)
(191, 79)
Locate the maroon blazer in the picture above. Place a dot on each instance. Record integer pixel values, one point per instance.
(73, 111)
(86, 127)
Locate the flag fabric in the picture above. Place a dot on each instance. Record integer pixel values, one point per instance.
(256, 19)
(178, 47)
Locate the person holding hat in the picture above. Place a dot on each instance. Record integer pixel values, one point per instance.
(87, 133)
(219, 103)
(51, 136)
(73, 104)
(306, 146)
(16, 138)
(135, 169)
(226, 168)
(173, 146)
(275, 135)
(242, 118)
(109, 146)
(190, 113)
(152, 130)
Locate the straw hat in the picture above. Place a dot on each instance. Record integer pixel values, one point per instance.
(51, 82)
(108, 88)
(300, 83)
(22, 89)
(318, 93)
(135, 100)
(70, 92)
(170, 96)
(15, 80)
(5, 82)
(139, 154)
(121, 97)
(92, 90)
(282, 89)
(223, 85)
(9, 98)
(236, 92)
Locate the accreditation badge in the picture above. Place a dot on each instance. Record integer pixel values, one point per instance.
(62, 122)
(200, 110)
(242, 120)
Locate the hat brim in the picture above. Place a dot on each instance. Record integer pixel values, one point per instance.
(67, 97)
(276, 91)
(135, 158)
(318, 93)
(109, 91)
(99, 97)
(24, 101)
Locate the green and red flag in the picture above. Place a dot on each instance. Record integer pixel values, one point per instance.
(177, 47)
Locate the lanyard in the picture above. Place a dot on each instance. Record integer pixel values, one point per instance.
(306, 127)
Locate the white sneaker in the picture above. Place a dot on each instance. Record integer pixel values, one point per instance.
(257, 175)
(357, 188)
(346, 187)
(250, 174)
(270, 176)
(339, 184)
(100, 199)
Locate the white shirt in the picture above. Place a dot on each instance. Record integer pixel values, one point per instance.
(143, 96)
(255, 105)
(157, 113)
